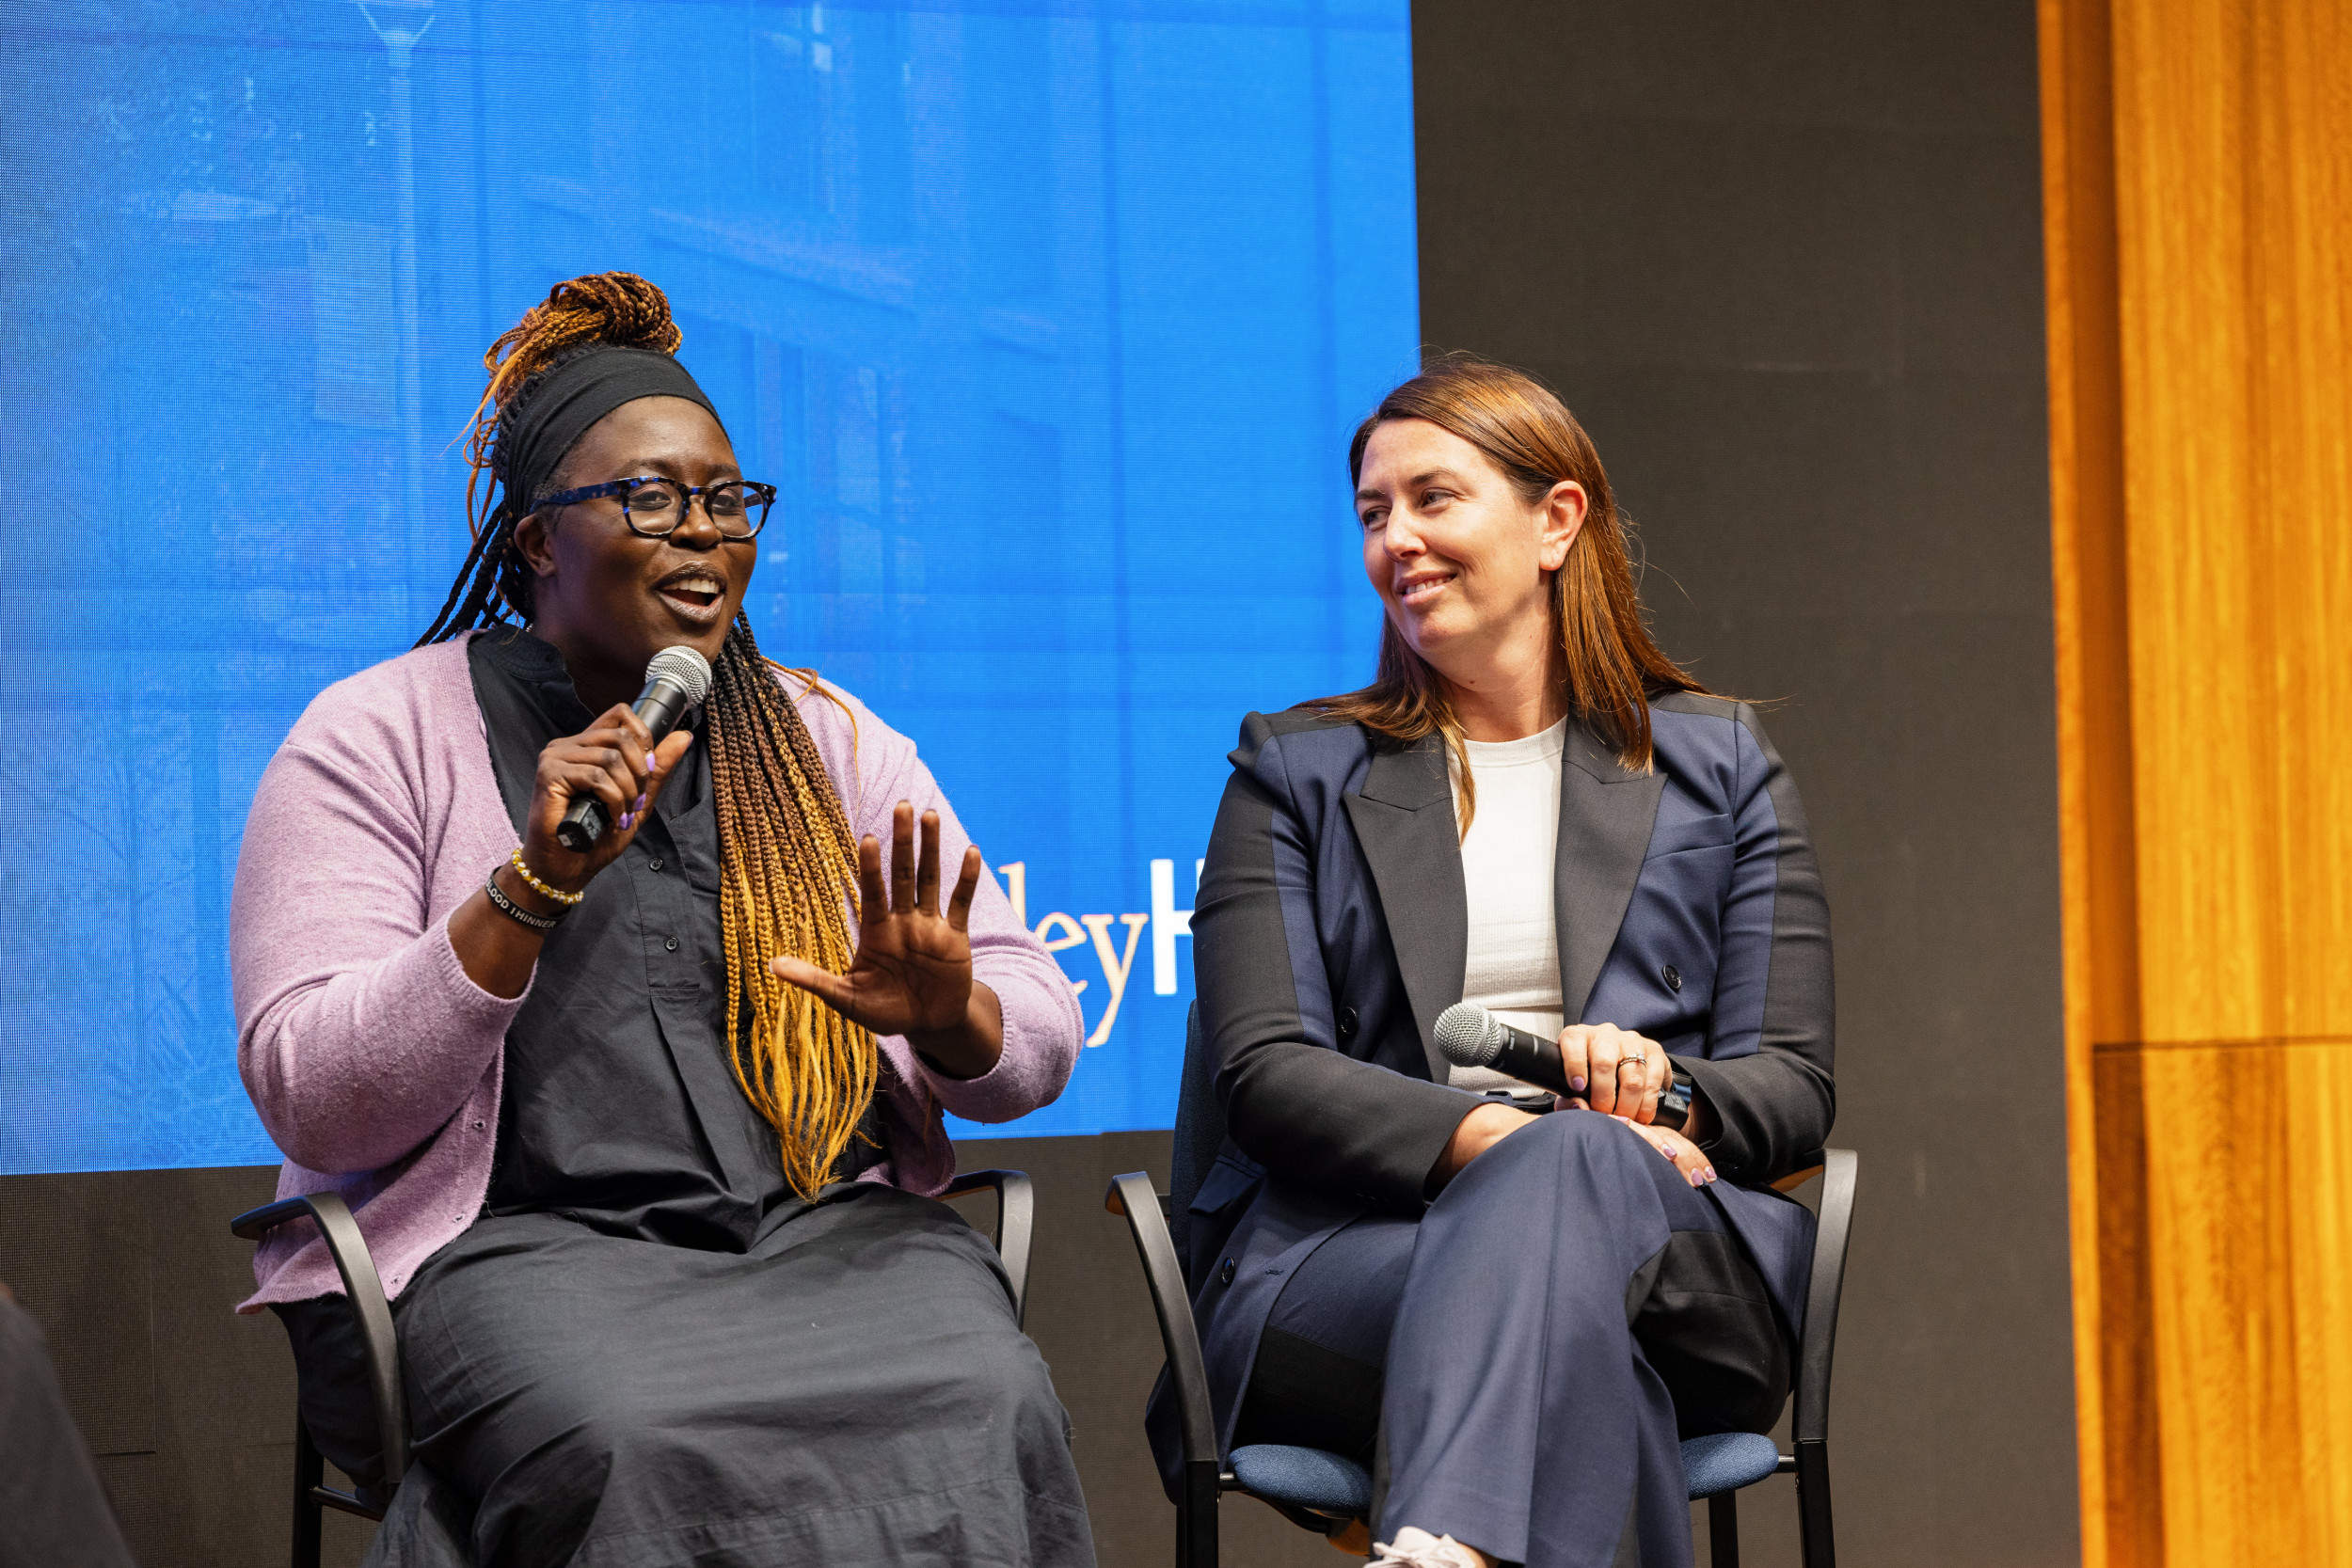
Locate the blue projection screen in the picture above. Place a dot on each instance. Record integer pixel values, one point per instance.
(1049, 318)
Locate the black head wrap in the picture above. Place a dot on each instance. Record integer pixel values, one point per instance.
(573, 396)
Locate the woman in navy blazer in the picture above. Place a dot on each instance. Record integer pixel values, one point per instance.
(1511, 1315)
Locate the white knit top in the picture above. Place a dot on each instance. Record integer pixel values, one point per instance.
(1507, 859)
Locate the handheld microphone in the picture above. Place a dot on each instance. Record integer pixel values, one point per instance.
(1470, 1035)
(675, 680)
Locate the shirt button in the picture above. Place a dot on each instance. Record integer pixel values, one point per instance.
(1673, 978)
(1347, 1024)
(671, 945)
(657, 863)
(1225, 1274)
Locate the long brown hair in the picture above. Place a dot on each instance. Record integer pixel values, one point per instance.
(787, 864)
(1612, 667)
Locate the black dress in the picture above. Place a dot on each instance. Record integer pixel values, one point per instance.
(647, 1350)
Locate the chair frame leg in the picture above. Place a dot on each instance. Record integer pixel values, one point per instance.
(1813, 1511)
(1722, 1531)
(310, 1516)
(1196, 1517)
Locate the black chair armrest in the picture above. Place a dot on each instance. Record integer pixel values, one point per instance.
(1132, 1196)
(1016, 1224)
(349, 1249)
(1834, 1226)
(1810, 1422)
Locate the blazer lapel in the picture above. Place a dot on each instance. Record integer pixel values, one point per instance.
(1404, 819)
(1606, 815)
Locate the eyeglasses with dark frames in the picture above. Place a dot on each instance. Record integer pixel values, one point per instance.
(653, 507)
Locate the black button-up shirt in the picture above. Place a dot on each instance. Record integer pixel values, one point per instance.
(620, 1106)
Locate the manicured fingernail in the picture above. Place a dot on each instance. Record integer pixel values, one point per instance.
(1667, 1153)
(641, 802)
(1710, 1173)
(1697, 1181)
(627, 817)
(1577, 1083)
(650, 764)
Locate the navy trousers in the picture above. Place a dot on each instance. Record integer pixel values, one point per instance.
(1519, 1364)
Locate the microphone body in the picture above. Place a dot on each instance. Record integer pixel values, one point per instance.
(1470, 1035)
(675, 680)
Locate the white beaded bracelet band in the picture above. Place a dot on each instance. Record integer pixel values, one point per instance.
(542, 889)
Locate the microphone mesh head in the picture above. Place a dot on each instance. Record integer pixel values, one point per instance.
(1467, 1034)
(683, 667)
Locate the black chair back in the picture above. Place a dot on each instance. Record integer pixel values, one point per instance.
(1200, 1133)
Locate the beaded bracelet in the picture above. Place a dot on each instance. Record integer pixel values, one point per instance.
(542, 889)
(511, 911)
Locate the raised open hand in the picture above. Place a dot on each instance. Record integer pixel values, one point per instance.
(913, 972)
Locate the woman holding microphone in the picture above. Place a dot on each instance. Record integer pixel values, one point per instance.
(1511, 1312)
(642, 1133)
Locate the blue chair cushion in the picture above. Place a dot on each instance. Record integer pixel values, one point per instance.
(1327, 1483)
(1306, 1477)
(1726, 1461)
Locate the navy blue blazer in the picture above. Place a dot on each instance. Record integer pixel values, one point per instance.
(1331, 928)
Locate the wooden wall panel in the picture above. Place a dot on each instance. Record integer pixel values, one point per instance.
(2198, 211)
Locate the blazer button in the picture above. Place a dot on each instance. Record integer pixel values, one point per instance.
(1225, 1274)
(1347, 1024)
(1673, 978)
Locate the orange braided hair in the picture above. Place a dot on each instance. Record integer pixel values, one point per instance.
(787, 870)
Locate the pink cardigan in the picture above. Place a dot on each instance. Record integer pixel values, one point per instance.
(375, 1061)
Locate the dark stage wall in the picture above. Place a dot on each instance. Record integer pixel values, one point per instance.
(1785, 264)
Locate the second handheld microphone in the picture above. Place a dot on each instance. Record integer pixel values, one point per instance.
(675, 680)
(1470, 1035)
